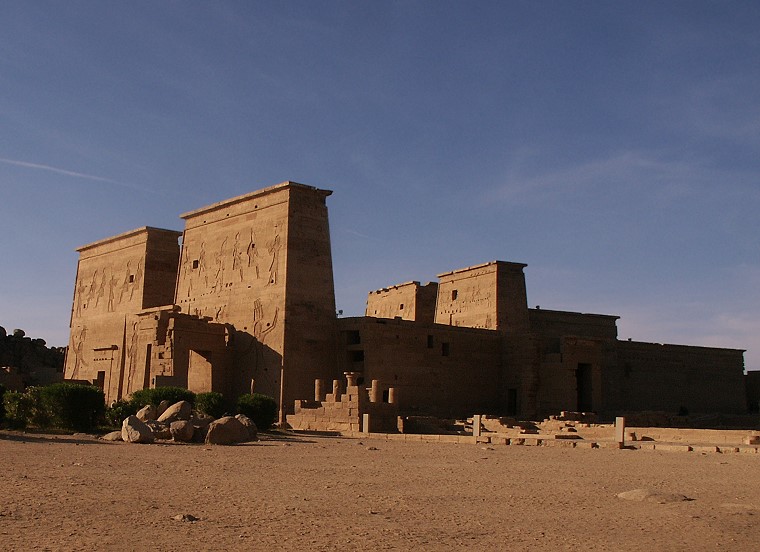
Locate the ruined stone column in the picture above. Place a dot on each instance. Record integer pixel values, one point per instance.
(319, 390)
(336, 390)
(620, 430)
(374, 393)
(351, 378)
(392, 398)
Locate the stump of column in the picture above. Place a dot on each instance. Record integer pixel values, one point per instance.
(319, 390)
(351, 378)
(336, 390)
(375, 395)
(392, 396)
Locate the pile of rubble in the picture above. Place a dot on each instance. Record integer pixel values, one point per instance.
(178, 422)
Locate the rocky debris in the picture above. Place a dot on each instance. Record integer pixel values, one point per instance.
(162, 406)
(250, 426)
(181, 410)
(113, 436)
(160, 430)
(649, 495)
(227, 430)
(182, 431)
(147, 413)
(134, 430)
(188, 518)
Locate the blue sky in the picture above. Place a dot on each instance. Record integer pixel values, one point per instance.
(614, 147)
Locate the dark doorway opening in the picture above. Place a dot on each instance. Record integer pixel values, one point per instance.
(511, 401)
(584, 386)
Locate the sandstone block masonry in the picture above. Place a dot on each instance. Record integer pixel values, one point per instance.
(246, 302)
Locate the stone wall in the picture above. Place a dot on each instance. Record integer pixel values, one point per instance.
(408, 301)
(116, 279)
(436, 369)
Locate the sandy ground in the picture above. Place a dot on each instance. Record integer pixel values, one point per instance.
(327, 493)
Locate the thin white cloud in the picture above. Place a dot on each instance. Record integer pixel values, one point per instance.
(56, 170)
(668, 180)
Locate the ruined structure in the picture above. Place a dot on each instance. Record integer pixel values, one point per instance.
(248, 303)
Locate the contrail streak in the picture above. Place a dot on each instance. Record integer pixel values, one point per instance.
(55, 170)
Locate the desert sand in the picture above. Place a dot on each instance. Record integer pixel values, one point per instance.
(329, 493)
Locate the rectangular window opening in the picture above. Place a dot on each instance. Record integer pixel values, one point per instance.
(454, 294)
(445, 349)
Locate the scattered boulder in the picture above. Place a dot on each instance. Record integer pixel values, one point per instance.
(182, 430)
(227, 430)
(134, 430)
(250, 426)
(162, 406)
(113, 436)
(147, 413)
(181, 410)
(189, 518)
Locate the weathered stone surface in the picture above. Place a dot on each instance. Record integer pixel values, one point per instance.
(227, 431)
(182, 430)
(181, 410)
(147, 413)
(113, 436)
(162, 406)
(250, 426)
(160, 430)
(134, 430)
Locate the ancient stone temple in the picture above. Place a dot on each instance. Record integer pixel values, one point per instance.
(246, 302)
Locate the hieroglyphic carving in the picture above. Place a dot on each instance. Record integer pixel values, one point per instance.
(138, 279)
(202, 264)
(237, 254)
(126, 281)
(101, 286)
(274, 250)
(132, 357)
(260, 328)
(253, 254)
(77, 347)
(111, 290)
(79, 299)
(219, 260)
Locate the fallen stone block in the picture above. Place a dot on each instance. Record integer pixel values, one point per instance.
(181, 410)
(227, 430)
(134, 430)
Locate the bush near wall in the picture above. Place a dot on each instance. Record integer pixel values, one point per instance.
(262, 409)
(156, 395)
(119, 410)
(22, 409)
(211, 403)
(73, 405)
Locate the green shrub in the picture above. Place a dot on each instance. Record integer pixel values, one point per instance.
(73, 405)
(262, 409)
(211, 403)
(118, 411)
(22, 409)
(156, 395)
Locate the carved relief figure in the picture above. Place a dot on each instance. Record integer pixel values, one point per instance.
(125, 283)
(79, 299)
(132, 356)
(101, 287)
(274, 250)
(138, 279)
(202, 264)
(253, 254)
(237, 256)
(77, 347)
(111, 292)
